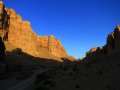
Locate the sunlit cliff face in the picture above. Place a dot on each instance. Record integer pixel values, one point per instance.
(19, 33)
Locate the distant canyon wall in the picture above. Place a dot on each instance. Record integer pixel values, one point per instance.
(112, 44)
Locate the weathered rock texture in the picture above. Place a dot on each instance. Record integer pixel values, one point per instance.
(51, 44)
(71, 58)
(112, 44)
(19, 33)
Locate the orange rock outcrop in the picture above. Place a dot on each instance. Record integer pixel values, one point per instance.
(19, 33)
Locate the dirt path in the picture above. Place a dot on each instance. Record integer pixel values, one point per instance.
(14, 84)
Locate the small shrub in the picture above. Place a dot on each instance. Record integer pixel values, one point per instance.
(65, 68)
(77, 86)
(100, 72)
(87, 75)
(118, 64)
(17, 51)
(41, 88)
(42, 77)
(88, 65)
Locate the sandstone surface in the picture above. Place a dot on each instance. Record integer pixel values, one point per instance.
(19, 33)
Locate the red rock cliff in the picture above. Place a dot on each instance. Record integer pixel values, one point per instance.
(19, 33)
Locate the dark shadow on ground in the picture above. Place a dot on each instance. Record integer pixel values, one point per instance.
(20, 64)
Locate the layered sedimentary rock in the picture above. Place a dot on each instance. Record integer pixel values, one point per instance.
(112, 43)
(52, 44)
(19, 33)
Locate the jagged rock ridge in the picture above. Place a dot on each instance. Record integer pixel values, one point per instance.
(112, 44)
(19, 33)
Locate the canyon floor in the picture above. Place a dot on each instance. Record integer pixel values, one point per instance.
(101, 73)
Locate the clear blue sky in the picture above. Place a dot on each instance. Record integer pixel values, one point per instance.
(79, 24)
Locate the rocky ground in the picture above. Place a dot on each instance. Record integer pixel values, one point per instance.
(103, 74)
(20, 67)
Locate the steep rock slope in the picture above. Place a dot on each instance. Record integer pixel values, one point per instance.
(112, 45)
(20, 34)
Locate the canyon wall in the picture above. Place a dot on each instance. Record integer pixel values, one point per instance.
(112, 44)
(19, 33)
